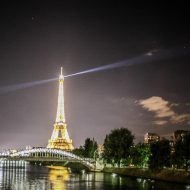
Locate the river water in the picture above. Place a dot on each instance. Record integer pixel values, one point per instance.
(31, 177)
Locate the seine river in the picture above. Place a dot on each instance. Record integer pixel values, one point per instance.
(31, 177)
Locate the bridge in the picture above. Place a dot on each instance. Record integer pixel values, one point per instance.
(59, 142)
(48, 155)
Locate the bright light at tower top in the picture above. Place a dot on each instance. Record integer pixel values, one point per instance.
(61, 76)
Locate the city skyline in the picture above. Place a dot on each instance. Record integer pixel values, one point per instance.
(37, 39)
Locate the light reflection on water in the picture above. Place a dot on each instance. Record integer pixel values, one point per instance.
(23, 176)
(58, 176)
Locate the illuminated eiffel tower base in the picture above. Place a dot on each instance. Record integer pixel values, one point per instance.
(60, 137)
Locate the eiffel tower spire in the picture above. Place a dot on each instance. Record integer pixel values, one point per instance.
(60, 137)
(60, 108)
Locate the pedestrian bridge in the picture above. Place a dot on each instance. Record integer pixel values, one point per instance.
(49, 155)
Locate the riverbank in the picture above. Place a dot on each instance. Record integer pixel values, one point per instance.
(164, 175)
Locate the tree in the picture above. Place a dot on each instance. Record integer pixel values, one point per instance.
(160, 155)
(117, 145)
(186, 147)
(90, 147)
(181, 155)
(140, 155)
(79, 151)
(88, 150)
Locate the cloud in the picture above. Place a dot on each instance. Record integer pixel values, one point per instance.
(181, 118)
(163, 112)
(160, 122)
(174, 105)
(157, 105)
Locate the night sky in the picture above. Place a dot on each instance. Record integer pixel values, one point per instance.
(37, 39)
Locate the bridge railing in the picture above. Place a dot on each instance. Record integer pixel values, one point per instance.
(51, 153)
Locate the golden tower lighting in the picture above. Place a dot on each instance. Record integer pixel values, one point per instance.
(60, 137)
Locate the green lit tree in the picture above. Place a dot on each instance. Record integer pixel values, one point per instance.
(117, 146)
(140, 155)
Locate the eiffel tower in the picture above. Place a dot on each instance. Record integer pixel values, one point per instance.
(60, 137)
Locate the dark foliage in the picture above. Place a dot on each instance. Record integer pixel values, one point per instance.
(117, 145)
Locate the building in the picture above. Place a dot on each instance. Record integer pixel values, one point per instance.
(60, 137)
(179, 134)
(100, 149)
(151, 137)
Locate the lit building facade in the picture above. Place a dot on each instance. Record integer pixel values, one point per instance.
(151, 137)
(60, 137)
